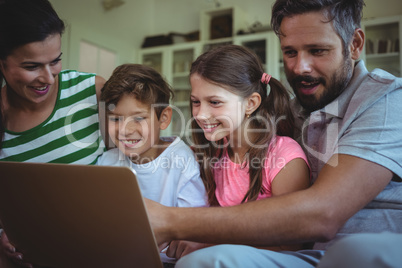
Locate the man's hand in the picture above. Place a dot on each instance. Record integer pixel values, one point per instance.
(178, 249)
(158, 218)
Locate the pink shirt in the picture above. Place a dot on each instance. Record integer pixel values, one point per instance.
(232, 180)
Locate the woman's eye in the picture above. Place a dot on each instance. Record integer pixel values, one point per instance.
(55, 62)
(30, 67)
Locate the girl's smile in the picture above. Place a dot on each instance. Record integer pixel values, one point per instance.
(217, 111)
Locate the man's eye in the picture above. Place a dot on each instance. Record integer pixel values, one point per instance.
(318, 51)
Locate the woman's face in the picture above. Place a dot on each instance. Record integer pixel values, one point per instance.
(31, 70)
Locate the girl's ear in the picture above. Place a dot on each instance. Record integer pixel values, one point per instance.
(253, 102)
(165, 118)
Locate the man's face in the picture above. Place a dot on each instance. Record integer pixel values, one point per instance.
(315, 64)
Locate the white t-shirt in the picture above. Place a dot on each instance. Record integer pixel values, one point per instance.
(172, 179)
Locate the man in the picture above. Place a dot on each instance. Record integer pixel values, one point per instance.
(349, 125)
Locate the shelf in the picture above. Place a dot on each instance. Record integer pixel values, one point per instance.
(382, 47)
(181, 103)
(221, 22)
(181, 74)
(382, 55)
(175, 60)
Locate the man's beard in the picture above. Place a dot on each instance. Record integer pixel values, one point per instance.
(336, 85)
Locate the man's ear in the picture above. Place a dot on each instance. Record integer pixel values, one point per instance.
(253, 102)
(356, 47)
(165, 118)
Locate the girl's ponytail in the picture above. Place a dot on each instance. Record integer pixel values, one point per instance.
(278, 106)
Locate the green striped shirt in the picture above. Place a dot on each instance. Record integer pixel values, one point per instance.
(71, 134)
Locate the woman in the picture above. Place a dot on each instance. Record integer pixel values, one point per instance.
(46, 115)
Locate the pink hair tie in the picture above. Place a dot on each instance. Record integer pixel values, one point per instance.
(265, 78)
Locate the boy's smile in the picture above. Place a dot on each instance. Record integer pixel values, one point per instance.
(134, 128)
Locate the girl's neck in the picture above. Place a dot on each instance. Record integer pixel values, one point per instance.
(238, 154)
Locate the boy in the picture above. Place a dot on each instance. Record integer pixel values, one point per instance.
(137, 98)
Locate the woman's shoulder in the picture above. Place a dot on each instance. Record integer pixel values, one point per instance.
(73, 74)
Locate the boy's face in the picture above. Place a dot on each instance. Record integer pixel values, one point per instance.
(134, 128)
(315, 64)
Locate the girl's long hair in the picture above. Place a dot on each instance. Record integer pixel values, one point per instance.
(239, 71)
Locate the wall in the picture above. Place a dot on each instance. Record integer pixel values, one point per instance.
(124, 28)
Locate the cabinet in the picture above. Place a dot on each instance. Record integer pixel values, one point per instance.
(383, 48)
(174, 61)
(182, 57)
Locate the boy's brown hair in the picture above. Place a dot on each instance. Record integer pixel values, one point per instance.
(140, 81)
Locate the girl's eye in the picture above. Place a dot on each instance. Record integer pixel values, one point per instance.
(215, 102)
(195, 102)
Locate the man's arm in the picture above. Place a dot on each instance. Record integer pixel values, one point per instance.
(343, 187)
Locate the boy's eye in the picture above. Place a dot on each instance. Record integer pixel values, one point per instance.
(289, 53)
(139, 118)
(114, 118)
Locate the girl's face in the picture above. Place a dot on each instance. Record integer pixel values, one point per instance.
(134, 128)
(219, 112)
(31, 70)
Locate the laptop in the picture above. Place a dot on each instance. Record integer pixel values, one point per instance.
(61, 215)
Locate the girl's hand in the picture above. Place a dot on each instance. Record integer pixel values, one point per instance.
(9, 250)
(178, 249)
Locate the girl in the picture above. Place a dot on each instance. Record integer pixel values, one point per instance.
(242, 134)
